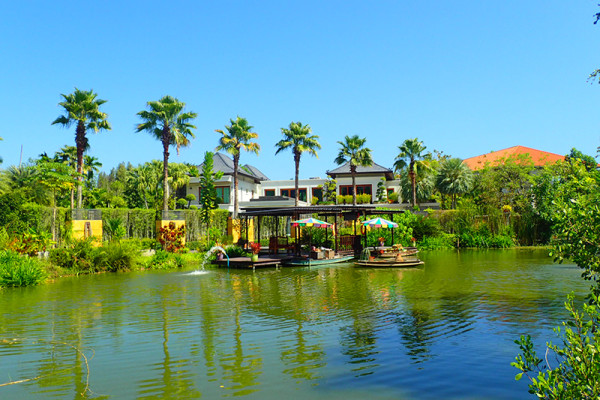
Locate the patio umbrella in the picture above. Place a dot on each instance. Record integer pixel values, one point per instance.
(379, 223)
(317, 223)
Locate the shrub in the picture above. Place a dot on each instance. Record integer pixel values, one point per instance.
(577, 366)
(341, 199)
(77, 257)
(30, 242)
(362, 199)
(16, 270)
(115, 257)
(165, 260)
(235, 251)
(443, 241)
(171, 237)
(426, 226)
(392, 197)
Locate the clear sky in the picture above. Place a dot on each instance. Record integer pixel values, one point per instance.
(465, 77)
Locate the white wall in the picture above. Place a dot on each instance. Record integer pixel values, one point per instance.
(247, 190)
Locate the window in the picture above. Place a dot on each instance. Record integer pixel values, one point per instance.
(269, 192)
(292, 193)
(223, 194)
(390, 190)
(317, 193)
(346, 190)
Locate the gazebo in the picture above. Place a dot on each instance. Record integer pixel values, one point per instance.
(329, 213)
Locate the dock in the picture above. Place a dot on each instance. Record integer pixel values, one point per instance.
(247, 263)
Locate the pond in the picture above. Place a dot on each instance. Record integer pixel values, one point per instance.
(445, 330)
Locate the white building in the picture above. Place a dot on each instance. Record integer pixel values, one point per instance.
(253, 184)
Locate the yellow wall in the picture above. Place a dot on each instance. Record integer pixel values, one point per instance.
(78, 227)
(162, 223)
(233, 230)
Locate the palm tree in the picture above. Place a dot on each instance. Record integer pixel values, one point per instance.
(238, 137)
(167, 122)
(298, 138)
(454, 178)
(410, 154)
(352, 151)
(82, 108)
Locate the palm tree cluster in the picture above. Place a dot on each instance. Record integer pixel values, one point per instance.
(420, 174)
(153, 184)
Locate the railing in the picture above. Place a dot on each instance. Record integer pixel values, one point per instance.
(172, 215)
(78, 214)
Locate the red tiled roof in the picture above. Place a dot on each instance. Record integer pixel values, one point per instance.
(539, 157)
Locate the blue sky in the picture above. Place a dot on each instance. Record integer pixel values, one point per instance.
(465, 77)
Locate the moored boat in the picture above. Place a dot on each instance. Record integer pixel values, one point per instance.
(309, 262)
(389, 262)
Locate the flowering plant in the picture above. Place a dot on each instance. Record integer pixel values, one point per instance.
(255, 247)
(381, 239)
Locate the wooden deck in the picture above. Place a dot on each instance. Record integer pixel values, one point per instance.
(246, 262)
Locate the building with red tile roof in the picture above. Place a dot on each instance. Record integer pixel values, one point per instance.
(539, 157)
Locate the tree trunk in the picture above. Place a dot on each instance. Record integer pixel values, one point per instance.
(236, 161)
(413, 184)
(165, 141)
(72, 198)
(80, 142)
(353, 172)
(297, 163)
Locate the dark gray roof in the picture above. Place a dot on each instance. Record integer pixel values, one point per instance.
(256, 172)
(373, 169)
(225, 164)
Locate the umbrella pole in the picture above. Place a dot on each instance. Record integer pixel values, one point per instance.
(392, 219)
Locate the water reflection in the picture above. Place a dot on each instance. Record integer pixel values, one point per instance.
(297, 332)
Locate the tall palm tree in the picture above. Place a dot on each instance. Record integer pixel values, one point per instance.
(83, 109)
(410, 154)
(167, 122)
(298, 137)
(454, 178)
(238, 137)
(352, 150)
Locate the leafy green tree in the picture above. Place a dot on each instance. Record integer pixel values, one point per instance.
(507, 183)
(454, 178)
(167, 122)
(83, 109)
(298, 138)
(576, 225)
(68, 155)
(575, 375)
(208, 192)
(352, 150)
(179, 176)
(55, 176)
(236, 137)
(588, 161)
(411, 151)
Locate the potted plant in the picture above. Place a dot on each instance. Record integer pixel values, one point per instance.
(255, 250)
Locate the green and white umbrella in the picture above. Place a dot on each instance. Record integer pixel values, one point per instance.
(379, 223)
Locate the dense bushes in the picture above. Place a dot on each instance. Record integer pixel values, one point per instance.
(81, 257)
(165, 260)
(16, 270)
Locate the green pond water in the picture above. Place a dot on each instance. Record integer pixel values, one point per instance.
(443, 331)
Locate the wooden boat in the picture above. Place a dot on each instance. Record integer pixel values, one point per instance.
(405, 258)
(309, 262)
(392, 252)
(389, 262)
